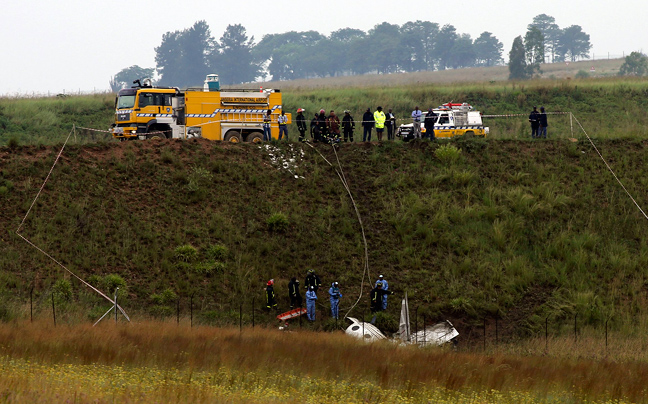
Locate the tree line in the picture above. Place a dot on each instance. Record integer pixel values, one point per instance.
(185, 57)
(546, 42)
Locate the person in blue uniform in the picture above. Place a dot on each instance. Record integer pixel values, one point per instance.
(385, 286)
(310, 303)
(335, 295)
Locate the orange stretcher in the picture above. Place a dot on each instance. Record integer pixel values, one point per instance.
(291, 314)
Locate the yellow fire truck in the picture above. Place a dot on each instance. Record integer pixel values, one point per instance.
(147, 112)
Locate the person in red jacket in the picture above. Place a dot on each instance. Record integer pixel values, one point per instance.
(333, 127)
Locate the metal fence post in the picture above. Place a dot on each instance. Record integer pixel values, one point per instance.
(31, 305)
(484, 334)
(497, 329)
(416, 324)
(547, 334)
(424, 332)
(53, 310)
(116, 290)
(241, 317)
(364, 315)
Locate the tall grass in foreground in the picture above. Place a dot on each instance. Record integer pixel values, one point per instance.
(148, 362)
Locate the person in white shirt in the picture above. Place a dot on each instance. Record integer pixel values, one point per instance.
(416, 119)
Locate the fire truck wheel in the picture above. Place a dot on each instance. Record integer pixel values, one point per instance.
(255, 137)
(156, 135)
(233, 137)
(469, 134)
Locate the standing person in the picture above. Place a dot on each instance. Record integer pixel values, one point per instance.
(348, 126)
(430, 120)
(542, 123)
(385, 286)
(333, 127)
(267, 136)
(416, 120)
(376, 295)
(282, 120)
(321, 124)
(391, 125)
(311, 296)
(301, 124)
(312, 280)
(314, 129)
(534, 118)
(271, 301)
(367, 125)
(379, 119)
(294, 293)
(335, 295)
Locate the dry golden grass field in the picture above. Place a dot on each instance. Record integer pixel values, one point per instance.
(162, 362)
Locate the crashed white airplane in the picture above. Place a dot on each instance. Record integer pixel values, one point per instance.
(437, 334)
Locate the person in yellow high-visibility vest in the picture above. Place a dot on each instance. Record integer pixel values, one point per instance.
(379, 118)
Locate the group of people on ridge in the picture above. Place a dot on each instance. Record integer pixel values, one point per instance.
(330, 129)
(312, 283)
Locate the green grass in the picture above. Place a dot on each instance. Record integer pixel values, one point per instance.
(608, 107)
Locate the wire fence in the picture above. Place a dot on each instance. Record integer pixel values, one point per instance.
(475, 332)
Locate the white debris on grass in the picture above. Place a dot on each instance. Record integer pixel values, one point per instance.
(285, 159)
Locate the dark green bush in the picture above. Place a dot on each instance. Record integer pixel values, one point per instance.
(217, 252)
(185, 253)
(277, 223)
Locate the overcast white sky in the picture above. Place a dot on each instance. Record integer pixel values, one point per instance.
(77, 45)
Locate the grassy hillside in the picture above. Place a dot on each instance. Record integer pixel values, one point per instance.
(518, 230)
(49, 120)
